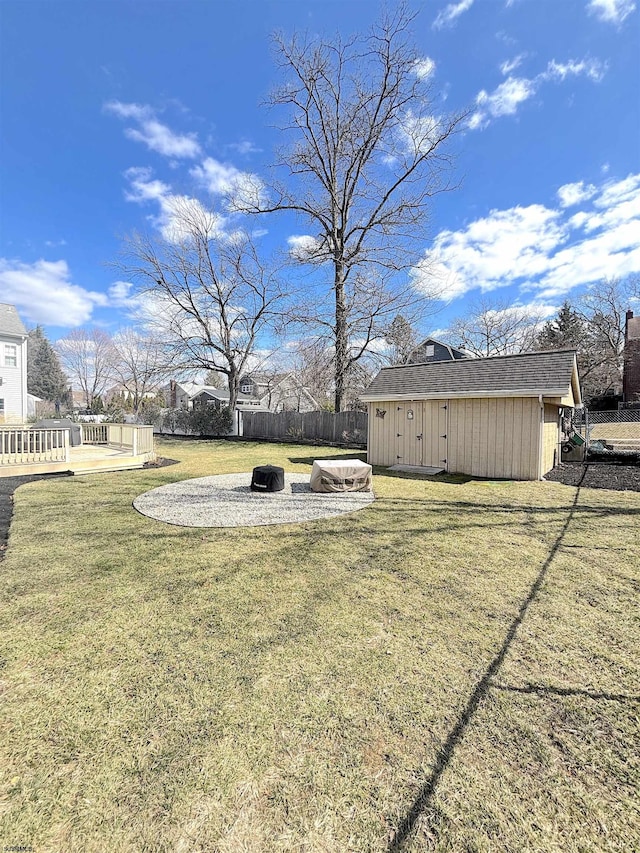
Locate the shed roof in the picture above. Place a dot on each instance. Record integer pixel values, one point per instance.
(552, 374)
(10, 322)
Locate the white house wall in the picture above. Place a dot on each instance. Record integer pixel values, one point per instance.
(14, 381)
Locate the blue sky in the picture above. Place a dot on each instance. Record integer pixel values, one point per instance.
(110, 108)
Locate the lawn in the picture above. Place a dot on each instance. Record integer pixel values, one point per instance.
(453, 668)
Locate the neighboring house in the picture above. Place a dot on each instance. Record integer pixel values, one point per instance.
(433, 350)
(487, 417)
(280, 392)
(257, 392)
(13, 366)
(178, 394)
(219, 397)
(32, 405)
(631, 369)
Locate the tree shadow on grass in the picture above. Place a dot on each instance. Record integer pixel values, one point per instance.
(428, 789)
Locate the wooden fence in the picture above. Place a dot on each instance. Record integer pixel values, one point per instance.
(343, 428)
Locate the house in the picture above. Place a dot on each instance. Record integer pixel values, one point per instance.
(177, 395)
(13, 366)
(434, 350)
(487, 417)
(219, 397)
(631, 369)
(280, 392)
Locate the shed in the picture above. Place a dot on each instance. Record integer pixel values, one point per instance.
(487, 417)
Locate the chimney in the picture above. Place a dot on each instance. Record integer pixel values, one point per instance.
(173, 394)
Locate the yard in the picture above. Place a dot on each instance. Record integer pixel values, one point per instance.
(453, 668)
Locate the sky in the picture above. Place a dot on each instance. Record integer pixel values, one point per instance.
(110, 110)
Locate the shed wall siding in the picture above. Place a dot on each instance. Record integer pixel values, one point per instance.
(381, 445)
(496, 437)
(551, 440)
(489, 437)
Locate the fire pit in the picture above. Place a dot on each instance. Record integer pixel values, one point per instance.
(267, 478)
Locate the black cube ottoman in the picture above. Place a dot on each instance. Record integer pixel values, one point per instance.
(267, 478)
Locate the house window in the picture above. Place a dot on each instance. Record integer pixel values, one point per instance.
(1, 406)
(246, 389)
(430, 350)
(10, 355)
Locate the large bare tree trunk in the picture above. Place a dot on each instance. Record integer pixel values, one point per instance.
(368, 154)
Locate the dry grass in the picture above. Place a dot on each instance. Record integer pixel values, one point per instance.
(453, 668)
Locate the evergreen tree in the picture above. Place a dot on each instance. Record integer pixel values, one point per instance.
(45, 378)
(568, 330)
(401, 338)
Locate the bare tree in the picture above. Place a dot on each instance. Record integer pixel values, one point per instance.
(207, 293)
(312, 364)
(369, 153)
(496, 328)
(88, 357)
(603, 308)
(141, 362)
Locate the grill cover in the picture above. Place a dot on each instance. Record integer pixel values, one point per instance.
(267, 478)
(75, 433)
(340, 475)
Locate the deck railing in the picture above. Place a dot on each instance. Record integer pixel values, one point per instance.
(134, 437)
(22, 445)
(19, 445)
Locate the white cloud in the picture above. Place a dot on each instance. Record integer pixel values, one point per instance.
(120, 293)
(447, 16)
(508, 96)
(155, 135)
(570, 194)
(242, 189)
(245, 146)
(511, 64)
(503, 101)
(43, 293)
(303, 247)
(539, 248)
(611, 11)
(177, 213)
(591, 68)
(424, 68)
(417, 134)
(52, 244)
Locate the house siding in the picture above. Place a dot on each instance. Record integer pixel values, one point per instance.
(13, 389)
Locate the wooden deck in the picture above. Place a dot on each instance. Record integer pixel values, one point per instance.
(117, 447)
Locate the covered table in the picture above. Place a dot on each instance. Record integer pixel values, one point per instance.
(340, 475)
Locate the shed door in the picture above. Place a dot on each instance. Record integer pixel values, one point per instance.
(409, 433)
(434, 425)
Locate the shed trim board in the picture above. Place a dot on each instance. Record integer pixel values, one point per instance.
(554, 392)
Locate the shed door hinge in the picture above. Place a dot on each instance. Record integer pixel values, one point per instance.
(443, 436)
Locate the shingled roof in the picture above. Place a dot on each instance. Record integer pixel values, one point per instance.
(10, 322)
(552, 374)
